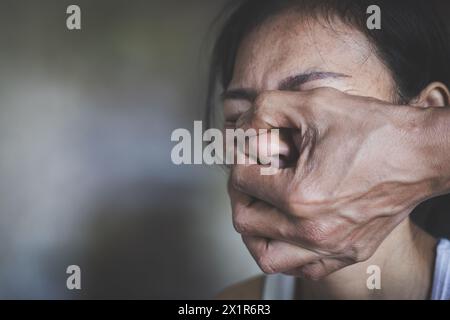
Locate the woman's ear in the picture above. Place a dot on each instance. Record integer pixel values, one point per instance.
(435, 94)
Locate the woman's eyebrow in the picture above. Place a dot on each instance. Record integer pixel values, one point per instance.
(288, 84)
(292, 83)
(240, 94)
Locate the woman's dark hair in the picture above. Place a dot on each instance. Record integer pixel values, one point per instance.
(413, 41)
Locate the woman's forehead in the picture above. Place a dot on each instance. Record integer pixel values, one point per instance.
(290, 43)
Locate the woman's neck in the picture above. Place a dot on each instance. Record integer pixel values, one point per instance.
(405, 259)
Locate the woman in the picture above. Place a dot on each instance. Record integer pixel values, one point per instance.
(326, 43)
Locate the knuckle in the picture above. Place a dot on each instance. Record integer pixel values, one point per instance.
(355, 252)
(240, 223)
(315, 98)
(340, 247)
(288, 231)
(313, 271)
(266, 264)
(360, 253)
(263, 100)
(321, 96)
(355, 217)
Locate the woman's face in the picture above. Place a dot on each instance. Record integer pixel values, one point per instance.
(289, 52)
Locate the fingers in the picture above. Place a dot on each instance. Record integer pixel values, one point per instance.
(266, 147)
(271, 218)
(287, 109)
(319, 269)
(273, 189)
(273, 148)
(258, 219)
(278, 244)
(273, 256)
(276, 256)
(275, 109)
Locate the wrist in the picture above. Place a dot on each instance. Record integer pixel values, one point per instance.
(428, 138)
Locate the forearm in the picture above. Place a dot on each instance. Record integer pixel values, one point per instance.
(431, 140)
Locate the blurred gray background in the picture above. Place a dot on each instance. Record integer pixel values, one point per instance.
(85, 171)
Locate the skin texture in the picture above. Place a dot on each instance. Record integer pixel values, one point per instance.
(361, 164)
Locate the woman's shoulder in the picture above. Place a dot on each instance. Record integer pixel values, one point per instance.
(250, 289)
